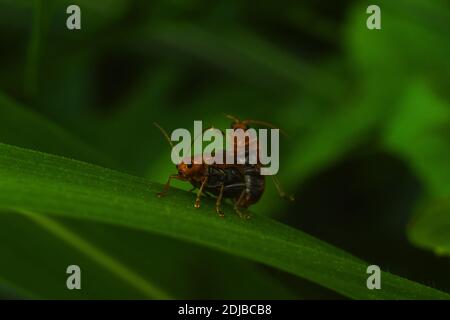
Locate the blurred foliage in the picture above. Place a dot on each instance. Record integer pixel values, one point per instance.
(367, 113)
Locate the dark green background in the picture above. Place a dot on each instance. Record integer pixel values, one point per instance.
(367, 112)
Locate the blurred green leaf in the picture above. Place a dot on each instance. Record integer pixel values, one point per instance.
(409, 55)
(46, 184)
(419, 131)
(232, 277)
(414, 33)
(430, 228)
(246, 55)
(37, 260)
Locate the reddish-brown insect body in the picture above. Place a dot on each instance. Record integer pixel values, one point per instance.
(241, 182)
(244, 125)
(234, 181)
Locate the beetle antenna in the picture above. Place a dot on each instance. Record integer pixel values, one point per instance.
(164, 133)
(229, 116)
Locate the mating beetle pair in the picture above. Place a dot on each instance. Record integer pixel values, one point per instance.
(243, 183)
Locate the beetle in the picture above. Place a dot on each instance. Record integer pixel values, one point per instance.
(241, 182)
(245, 125)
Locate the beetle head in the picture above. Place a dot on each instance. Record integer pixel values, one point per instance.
(189, 170)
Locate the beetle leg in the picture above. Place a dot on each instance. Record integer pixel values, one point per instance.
(167, 185)
(280, 190)
(237, 206)
(219, 202)
(204, 194)
(199, 193)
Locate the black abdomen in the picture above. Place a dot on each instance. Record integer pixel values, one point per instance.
(254, 185)
(231, 178)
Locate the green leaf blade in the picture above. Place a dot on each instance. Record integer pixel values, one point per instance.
(47, 184)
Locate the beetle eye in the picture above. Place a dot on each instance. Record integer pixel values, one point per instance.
(189, 165)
